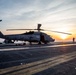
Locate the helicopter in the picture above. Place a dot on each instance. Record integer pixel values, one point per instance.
(31, 36)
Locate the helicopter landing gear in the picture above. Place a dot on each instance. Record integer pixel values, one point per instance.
(39, 42)
(30, 42)
(8, 41)
(45, 42)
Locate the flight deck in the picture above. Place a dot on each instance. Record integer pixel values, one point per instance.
(48, 59)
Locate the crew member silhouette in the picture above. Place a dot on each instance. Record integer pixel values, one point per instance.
(73, 39)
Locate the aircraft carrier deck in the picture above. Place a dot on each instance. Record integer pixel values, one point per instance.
(51, 59)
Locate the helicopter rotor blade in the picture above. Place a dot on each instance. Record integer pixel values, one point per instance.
(40, 30)
(19, 29)
(57, 32)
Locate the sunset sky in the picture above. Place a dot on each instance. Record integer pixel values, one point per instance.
(57, 15)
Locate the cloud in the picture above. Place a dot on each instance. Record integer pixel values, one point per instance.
(51, 13)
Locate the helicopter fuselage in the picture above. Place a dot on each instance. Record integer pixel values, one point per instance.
(30, 37)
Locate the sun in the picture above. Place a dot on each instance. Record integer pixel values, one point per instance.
(63, 36)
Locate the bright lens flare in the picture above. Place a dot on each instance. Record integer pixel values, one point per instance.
(63, 36)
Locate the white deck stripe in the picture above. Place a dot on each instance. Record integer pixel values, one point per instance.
(10, 49)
